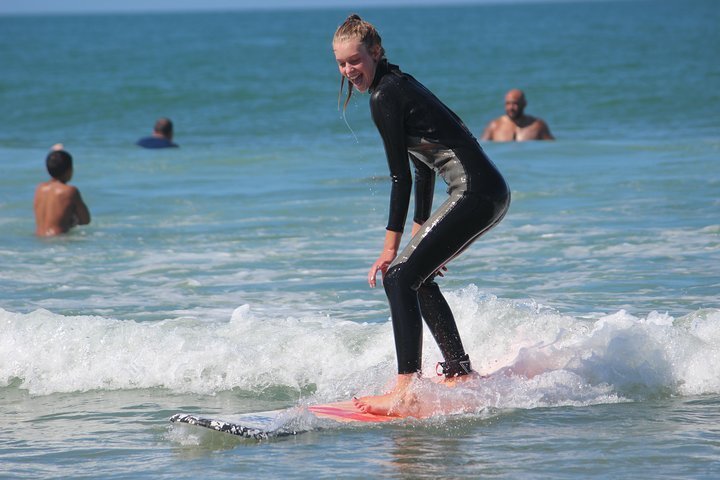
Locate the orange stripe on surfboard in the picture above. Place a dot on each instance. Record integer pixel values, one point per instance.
(346, 412)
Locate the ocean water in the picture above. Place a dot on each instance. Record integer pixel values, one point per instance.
(229, 275)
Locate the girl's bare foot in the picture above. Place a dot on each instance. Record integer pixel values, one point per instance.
(398, 402)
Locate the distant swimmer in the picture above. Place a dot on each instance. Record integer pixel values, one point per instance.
(416, 127)
(162, 136)
(58, 206)
(515, 125)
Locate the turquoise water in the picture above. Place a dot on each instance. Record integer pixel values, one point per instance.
(229, 276)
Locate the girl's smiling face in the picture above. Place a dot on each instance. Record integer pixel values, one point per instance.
(356, 63)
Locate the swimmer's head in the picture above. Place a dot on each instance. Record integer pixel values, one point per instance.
(59, 165)
(358, 49)
(515, 103)
(164, 128)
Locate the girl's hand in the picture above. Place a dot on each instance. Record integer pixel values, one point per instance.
(389, 252)
(381, 265)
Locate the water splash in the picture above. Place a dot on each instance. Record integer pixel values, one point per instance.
(532, 355)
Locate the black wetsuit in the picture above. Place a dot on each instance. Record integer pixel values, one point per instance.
(414, 123)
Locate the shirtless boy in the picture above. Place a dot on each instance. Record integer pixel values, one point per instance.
(515, 125)
(58, 206)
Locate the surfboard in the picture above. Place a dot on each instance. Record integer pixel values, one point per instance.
(292, 421)
(281, 423)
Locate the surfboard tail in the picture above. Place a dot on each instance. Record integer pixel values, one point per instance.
(280, 423)
(237, 429)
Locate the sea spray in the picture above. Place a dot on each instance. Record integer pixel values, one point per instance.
(530, 354)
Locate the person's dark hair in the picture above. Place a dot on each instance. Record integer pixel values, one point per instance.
(58, 162)
(356, 27)
(164, 127)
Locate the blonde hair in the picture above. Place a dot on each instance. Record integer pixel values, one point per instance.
(355, 27)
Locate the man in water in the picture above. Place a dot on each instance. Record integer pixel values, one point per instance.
(58, 206)
(162, 135)
(515, 125)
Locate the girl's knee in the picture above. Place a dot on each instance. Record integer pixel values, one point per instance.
(399, 278)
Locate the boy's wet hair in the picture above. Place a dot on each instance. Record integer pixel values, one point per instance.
(164, 126)
(58, 162)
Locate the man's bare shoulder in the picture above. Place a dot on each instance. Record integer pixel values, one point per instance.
(542, 130)
(56, 196)
(533, 128)
(537, 122)
(501, 121)
(43, 186)
(499, 129)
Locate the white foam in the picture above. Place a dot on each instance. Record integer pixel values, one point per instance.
(537, 356)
